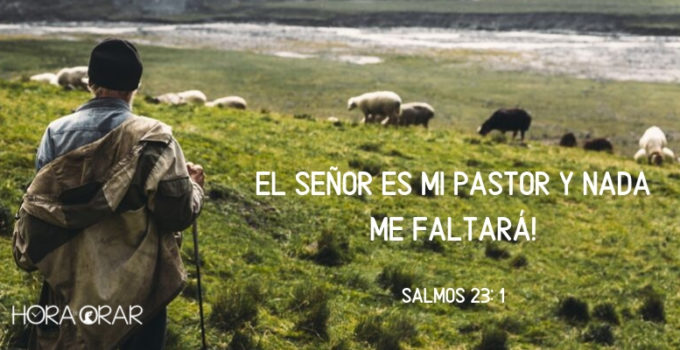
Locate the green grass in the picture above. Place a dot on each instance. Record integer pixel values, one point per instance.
(600, 250)
(463, 93)
(265, 251)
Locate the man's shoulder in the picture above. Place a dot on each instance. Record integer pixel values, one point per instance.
(151, 129)
(63, 123)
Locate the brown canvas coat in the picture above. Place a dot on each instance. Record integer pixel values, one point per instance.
(98, 224)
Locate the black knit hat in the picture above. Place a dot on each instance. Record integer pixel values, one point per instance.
(115, 64)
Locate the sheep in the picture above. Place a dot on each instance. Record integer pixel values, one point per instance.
(49, 78)
(653, 146)
(181, 98)
(568, 140)
(599, 144)
(169, 98)
(415, 113)
(195, 97)
(514, 120)
(229, 102)
(73, 78)
(377, 106)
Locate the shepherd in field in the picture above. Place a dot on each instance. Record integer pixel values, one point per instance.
(101, 219)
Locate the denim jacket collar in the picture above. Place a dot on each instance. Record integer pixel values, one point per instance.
(104, 102)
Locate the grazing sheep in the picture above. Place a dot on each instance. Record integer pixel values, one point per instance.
(415, 113)
(568, 140)
(333, 119)
(599, 144)
(49, 78)
(229, 102)
(181, 98)
(73, 78)
(653, 146)
(378, 106)
(195, 97)
(514, 120)
(169, 98)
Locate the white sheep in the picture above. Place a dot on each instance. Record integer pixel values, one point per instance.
(192, 97)
(181, 98)
(49, 78)
(378, 106)
(229, 102)
(653, 147)
(170, 98)
(415, 113)
(73, 78)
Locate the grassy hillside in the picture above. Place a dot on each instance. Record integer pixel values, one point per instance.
(462, 90)
(266, 259)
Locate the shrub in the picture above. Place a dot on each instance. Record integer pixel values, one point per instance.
(356, 280)
(519, 261)
(218, 192)
(397, 153)
(511, 325)
(304, 116)
(435, 245)
(233, 307)
(600, 334)
(6, 221)
(370, 166)
(242, 341)
(467, 303)
(394, 278)
(386, 333)
(370, 147)
(342, 345)
(493, 339)
(494, 251)
(332, 249)
(652, 308)
(607, 313)
(574, 310)
(312, 303)
(417, 186)
(369, 329)
(251, 257)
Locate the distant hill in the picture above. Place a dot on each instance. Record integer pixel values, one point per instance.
(654, 17)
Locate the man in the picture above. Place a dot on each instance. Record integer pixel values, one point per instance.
(99, 219)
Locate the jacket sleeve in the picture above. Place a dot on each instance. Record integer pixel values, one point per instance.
(174, 199)
(20, 244)
(45, 152)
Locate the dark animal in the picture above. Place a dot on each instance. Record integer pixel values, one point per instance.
(599, 144)
(416, 113)
(514, 120)
(568, 140)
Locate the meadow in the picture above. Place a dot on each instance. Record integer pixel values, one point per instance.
(462, 90)
(301, 272)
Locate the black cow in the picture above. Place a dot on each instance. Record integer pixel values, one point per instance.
(514, 120)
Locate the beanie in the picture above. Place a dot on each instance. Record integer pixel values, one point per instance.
(115, 64)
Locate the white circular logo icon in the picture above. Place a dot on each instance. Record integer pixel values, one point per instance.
(88, 315)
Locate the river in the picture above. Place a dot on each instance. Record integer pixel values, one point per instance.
(593, 56)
